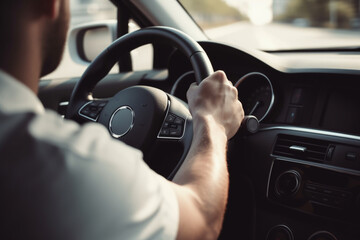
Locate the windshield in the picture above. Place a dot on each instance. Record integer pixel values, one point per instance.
(279, 24)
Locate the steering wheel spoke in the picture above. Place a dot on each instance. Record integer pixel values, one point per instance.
(91, 110)
(173, 126)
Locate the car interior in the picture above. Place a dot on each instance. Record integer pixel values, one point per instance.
(296, 176)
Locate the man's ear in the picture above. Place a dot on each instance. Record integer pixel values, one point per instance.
(50, 8)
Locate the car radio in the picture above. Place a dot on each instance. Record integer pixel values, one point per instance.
(315, 188)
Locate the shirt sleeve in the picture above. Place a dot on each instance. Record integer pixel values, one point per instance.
(90, 186)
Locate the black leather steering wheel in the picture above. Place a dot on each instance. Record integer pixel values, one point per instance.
(141, 116)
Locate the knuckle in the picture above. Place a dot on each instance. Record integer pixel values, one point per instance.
(220, 76)
(190, 91)
(235, 91)
(241, 109)
(205, 85)
(240, 104)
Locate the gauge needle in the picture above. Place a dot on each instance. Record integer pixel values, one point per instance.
(254, 108)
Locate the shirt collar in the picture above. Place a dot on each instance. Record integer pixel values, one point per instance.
(16, 97)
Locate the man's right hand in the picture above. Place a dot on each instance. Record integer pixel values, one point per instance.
(216, 97)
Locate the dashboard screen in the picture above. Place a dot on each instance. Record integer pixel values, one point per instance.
(342, 112)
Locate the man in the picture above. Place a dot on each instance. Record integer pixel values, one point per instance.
(59, 180)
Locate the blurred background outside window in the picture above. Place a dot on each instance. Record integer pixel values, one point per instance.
(279, 24)
(270, 25)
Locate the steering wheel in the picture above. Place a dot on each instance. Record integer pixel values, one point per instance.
(141, 116)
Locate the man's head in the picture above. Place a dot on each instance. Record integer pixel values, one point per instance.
(36, 29)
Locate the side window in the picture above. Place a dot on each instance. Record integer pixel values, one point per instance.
(142, 57)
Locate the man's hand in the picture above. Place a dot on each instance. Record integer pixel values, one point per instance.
(216, 97)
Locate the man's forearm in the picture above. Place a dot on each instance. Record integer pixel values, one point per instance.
(202, 182)
(205, 170)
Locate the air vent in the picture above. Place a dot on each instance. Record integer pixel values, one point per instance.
(301, 148)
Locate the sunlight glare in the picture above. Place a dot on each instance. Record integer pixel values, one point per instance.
(260, 12)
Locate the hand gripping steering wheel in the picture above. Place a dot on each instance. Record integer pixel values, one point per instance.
(141, 116)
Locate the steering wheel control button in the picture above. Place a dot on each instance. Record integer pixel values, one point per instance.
(91, 110)
(175, 132)
(173, 127)
(121, 122)
(280, 232)
(179, 121)
(170, 118)
(165, 132)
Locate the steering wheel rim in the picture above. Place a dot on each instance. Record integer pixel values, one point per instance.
(101, 66)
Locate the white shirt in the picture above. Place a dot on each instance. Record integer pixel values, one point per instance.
(59, 180)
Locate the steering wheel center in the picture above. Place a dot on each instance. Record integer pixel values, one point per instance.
(121, 122)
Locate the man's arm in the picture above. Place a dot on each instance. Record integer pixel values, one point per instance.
(201, 184)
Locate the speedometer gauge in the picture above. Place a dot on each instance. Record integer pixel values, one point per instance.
(256, 94)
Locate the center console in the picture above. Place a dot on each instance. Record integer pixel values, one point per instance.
(312, 189)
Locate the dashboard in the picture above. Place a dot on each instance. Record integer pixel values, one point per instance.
(300, 173)
(321, 97)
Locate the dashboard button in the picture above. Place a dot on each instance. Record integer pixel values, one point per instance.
(311, 187)
(351, 156)
(280, 232)
(326, 199)
(293, 115)
(288, 183)
(327, 191)
(344, 195)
